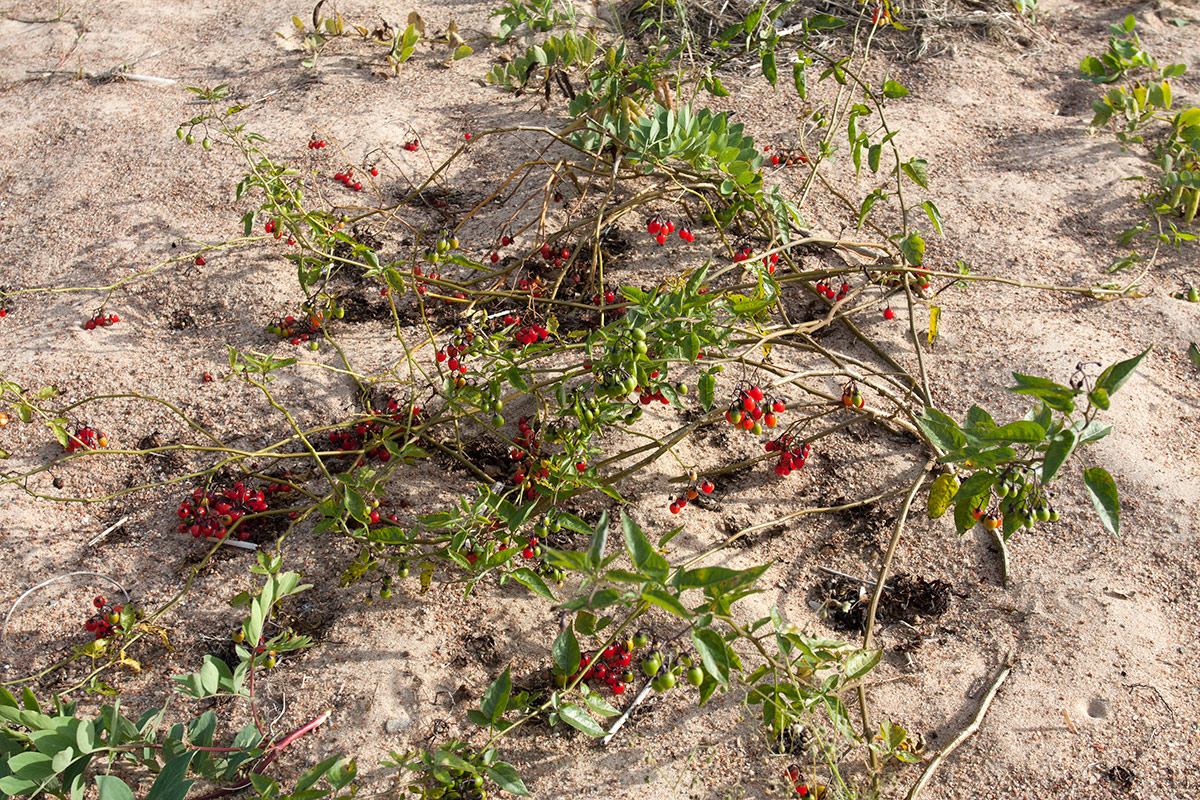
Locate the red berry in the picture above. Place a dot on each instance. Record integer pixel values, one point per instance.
(199, 261)
(661, 238)
(494, 257)
(467, 136)
(674, 508)
(707, 487)
(90, 324)
(889, 314)
(358, 186)
(581, 466)
(374, 172)
(527, 553)
(99, 601)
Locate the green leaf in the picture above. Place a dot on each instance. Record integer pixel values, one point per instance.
(644, 557)
(495, 698)
(707, 385)
(1102, 489)
(918, 170)
(1055, 395)
(935, 216)
(1094, 431)
(770, 72)
(800, 80)
(913, 248)
(666, 601)
(1060, 449)
(1099, 398)
(579, 719)
(713, 653)
(170, 783)
(1115, 376)
(504, 776)
(111, 788)
(894, 89)
(595, 553)
(975, 485)
(964, 513)
(941, 429)
(861, 663)
(532, 581)
(566, 652)
(823, 22)
(598, 704)
(1023, 431)
(873, 155)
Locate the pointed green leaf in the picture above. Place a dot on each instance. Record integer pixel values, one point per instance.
(1102, 489)
(495, 698)
(566, 652)
(581, 720)
(1115, 376)
(941, 429)
(504, 776)
(1059, 451)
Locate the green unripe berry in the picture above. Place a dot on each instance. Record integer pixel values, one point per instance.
(189, 138)
(695, 676)
(179, 134)
(651, 665)
(206, 143)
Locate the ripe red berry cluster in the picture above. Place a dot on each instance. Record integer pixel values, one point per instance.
(526, 445)
(751, 410)
(789, 158)
(101, 321)
(85, 437)
(412, 146)
(613, 668)
(534, 286)
(692, 493)
(802, 789)
(211, 514)
(357, 437)
(347, 179)
(742, 254)
(851, 396)
(554, 256)
(106, 622)
(297, 331)
(530, 335)
(790, 457)
(770, 261)
(316, 144)
(609, 298)
(832, 294)
(421, 277)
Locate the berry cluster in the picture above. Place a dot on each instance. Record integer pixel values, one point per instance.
(788, 158)
(613, 668)
(304, 329)
(1021, 497)
(211, 514)
(660, 228)
(802, 789)
(751, 410)
(554, 256)
(665, 671)
(851, 396)
(106, 622)
(412, 146)
(356, 438)
(742, 253)
(530, 335)
(832, 294)
(85, 437)
(790, 458)
(100, 320)
(770, 261)
(692, 493)
(347, 179)
(316, 144)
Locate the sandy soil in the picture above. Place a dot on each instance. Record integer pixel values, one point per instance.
(94, 186)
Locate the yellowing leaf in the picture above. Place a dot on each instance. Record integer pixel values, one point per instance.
(935, 313)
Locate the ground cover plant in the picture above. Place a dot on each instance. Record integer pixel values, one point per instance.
(528, 355)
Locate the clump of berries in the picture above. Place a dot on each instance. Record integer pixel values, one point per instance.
(801, 788)
(366, 435)
(212, 514)
(751, 410)
(347, 179)
(101, 320)
(614, 668)
(693, 492)
(106, 621)
(308, 325)
(791, 457)
(742, 253)
(413, 145)
(788, 157)
(851, 396)
(660, 228)
(1021, 498)
(316, 144)
(85, 437)
(666, 669)
(831, 293)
